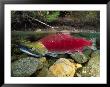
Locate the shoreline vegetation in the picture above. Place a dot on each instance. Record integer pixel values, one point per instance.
(58, 20)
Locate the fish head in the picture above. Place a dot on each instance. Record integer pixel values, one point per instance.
(84, 42)
(90, 44)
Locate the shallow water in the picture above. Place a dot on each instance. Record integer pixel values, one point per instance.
(27, 37)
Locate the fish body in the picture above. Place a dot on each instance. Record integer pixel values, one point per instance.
(55, 44)
(64, 43)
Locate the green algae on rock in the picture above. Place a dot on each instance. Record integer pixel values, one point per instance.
(43, 72)
(87, 51)
(79, 57)
(95, 53)
(38, 47)
(92, 68)
(24, 67)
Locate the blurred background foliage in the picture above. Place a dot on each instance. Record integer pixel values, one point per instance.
(20, 20)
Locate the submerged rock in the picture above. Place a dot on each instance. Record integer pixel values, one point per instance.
(79, 57)
(63, 68)
(43, 72)
(25, 67)
(37, 47)
(95, 53)
(82, 57)
(87, 51)
(92, 68)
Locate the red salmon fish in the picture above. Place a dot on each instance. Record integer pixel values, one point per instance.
(64, 43)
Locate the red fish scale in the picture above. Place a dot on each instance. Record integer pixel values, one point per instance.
(64, 43)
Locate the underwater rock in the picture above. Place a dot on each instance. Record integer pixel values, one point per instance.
(37, 47)
(95, 53)
(79, 57)
(42, 59)
(92, 68)
(63, 68)
(25, 67)
(51, 61)
(87, 51)
(43, 72)
(16, 57)
(43, 63)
